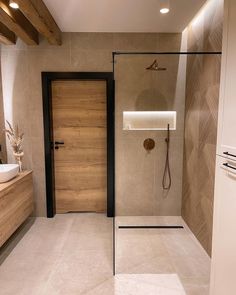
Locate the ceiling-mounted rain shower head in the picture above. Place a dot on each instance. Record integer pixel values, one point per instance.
(154, 67)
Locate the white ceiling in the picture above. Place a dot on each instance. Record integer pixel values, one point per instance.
(122, 15)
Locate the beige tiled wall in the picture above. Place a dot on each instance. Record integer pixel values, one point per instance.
(21, 72)
(139, 173)
(202, 96)
(2, 134)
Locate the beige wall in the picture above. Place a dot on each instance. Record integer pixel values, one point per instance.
(2, 134)
(138, 173)
(21, 73)
(202, 96)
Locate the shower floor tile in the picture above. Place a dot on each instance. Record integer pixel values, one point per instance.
(72, 254)
(140, 284)
(162, 251)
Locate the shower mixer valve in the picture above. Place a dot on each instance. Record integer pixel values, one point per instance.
(149, 144)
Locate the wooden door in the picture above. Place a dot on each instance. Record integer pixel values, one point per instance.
(79, 120)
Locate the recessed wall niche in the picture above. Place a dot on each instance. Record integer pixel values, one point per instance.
(149, 120)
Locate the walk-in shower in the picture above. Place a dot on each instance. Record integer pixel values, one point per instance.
(150, 234)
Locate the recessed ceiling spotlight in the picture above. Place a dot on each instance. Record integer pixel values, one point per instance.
(164, 6)
(13, 4)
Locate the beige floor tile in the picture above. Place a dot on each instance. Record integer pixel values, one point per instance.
(148, 285)
(105, 288)
(160, 250)
(155, 265)
(139, 285)
(78, 241)
(195, 286)
(45, 236)
(84, 226)
(85, 262)
(28, 266)
(140, 251)
(10, 287)
(132, 252)
(22, 274)
(80, 272)
(52, 257)
(191, 267)
(72, 254)
(74, 286)
(179, 245)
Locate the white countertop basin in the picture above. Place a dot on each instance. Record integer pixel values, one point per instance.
(8, 171)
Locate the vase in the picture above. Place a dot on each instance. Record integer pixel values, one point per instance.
(19, 157)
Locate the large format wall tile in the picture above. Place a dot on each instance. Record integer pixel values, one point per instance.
(139, 174)
(22, 91)
(202, 96)
(2, 124)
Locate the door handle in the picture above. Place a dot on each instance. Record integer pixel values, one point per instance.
(233, 169)
(228, 154)
(229, 166)
(58, 144)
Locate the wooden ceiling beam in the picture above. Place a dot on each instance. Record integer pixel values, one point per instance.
(16, 22)
(40, 17)
(7, 37)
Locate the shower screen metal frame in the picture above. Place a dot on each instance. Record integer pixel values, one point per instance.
(117, 53)
(114, 53)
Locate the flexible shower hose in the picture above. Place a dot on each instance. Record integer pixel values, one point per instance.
(166, 181)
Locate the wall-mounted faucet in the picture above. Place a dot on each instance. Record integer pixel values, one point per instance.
(149, 144)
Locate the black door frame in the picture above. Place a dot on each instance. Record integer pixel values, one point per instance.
(47, 78)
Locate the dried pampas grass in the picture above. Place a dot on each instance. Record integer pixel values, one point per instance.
(15, 139)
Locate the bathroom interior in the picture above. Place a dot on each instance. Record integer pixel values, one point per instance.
(119, 150)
